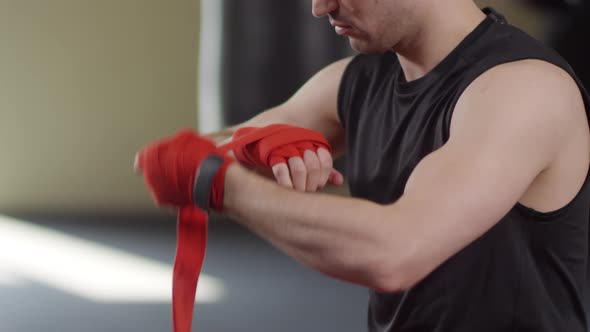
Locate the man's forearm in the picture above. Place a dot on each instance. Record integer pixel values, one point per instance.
(346, 238)
(222, 136)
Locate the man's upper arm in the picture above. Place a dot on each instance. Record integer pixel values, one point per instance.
(313, 106)
(507, 128)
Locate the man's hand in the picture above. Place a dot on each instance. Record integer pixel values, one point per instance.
(310, 173)
(299, 158)
(169, 168)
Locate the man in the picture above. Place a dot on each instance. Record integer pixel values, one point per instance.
(468, 149)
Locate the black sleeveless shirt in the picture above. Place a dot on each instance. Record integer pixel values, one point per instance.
(530, 271)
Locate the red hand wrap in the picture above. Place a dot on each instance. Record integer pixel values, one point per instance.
(169, 167)
(268, 146)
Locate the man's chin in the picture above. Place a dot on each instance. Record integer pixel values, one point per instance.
(362, 46)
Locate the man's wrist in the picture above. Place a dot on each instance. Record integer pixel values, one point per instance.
(221, 137)
(205, 181)
(235, 175)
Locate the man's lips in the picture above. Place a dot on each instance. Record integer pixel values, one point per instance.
(342, 29)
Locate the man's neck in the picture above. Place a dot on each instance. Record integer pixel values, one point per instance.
(436, 39)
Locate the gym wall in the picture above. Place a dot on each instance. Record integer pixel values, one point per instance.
(83, 84)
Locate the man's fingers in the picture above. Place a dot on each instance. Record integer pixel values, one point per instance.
(281, 174)
(310, 173)
(298, 173)
(313, 166)
(336, 178)
(327, 163)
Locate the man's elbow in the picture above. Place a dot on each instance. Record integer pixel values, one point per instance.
(393, 283)
(393, 277)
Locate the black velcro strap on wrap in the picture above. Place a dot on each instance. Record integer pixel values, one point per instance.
(204, 180)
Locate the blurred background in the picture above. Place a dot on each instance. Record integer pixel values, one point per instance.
(85, 83)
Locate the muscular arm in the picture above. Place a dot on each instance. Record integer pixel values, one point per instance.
(507, 129)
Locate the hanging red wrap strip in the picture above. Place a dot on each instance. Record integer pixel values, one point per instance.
(190, 253)
(169, 168)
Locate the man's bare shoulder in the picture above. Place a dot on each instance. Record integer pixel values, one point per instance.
(527, 77)
(531, 89)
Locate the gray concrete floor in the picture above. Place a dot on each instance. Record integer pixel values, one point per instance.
(265, 290)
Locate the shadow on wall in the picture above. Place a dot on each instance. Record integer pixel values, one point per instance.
(570, 38)
(270, 49)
